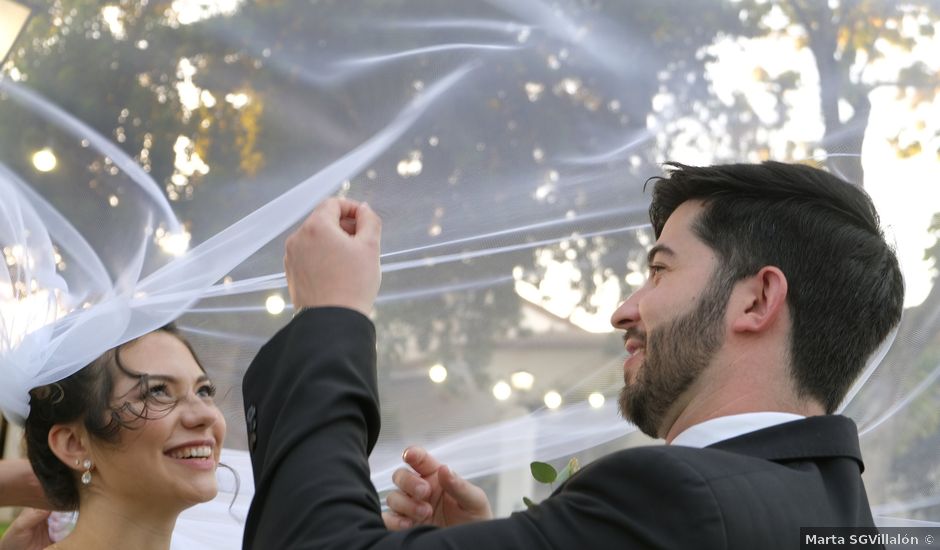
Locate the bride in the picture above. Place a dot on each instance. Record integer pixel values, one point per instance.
(129, 441)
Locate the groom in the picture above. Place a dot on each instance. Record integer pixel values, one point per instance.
(769, 286)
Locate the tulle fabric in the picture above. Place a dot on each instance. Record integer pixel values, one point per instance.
(505, 145)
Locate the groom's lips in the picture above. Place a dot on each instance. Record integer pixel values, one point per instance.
(635, 352)
(633, 344)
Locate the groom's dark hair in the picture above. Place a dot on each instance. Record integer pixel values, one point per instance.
(845, 290)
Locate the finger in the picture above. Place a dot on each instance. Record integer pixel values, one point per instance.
(421, 461)
(31, 517)
(35, 516)
(348, 225)
(395, 522)
(334, 209)
(411, 484)
(467, 495)
(348, 210)
(405, 506)
(329, 208)
(368, 224)
(342, 208)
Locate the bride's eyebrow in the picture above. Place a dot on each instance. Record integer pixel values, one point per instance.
(174, 380)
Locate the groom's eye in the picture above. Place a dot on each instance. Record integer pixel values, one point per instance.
(655, 270)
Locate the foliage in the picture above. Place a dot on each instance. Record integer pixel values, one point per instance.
(547, 474)
(848, 41)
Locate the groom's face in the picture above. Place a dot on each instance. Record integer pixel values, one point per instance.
(676, 355)
(674, 324)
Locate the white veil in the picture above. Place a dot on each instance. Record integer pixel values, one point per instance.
(153, 158)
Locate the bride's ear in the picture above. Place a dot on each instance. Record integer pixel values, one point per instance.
(69, 443)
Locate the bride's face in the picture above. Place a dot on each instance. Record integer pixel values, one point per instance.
(171, 455)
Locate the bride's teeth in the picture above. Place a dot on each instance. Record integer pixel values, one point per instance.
(192, 452)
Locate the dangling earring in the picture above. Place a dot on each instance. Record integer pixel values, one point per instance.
(86, 477)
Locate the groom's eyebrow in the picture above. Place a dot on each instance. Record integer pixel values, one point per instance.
(659, 248)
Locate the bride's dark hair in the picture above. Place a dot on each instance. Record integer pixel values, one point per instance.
(87, 396)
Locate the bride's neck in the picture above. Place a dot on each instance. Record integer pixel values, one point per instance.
(108, 523)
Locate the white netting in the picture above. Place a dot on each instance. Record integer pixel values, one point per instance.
(154, 156)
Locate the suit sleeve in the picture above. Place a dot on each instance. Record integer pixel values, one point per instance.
(313, 418)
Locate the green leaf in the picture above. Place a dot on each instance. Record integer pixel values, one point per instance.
(528, 502)
(569, 469)
(542, 472)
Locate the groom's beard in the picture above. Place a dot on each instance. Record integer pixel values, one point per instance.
(675, 356)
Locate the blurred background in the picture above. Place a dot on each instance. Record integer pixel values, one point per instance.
(506, 144)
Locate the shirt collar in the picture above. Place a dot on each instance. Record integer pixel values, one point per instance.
(725, 427)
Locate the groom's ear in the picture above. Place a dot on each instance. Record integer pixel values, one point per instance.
(761, 301)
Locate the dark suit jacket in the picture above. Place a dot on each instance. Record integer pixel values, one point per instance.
(313, 417)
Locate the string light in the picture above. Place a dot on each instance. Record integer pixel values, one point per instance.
(175, 244)
(45, 160)
(552, 399)
(502, 391)
(522, 380)
(437, 373)
(275, 304)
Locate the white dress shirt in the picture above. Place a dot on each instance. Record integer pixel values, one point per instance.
(725, 427)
